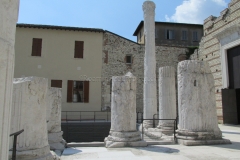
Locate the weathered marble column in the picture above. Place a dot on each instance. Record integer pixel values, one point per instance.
(167, 99)
(150, 87)
(8, 20)
(54, 103)
(198, 123)
(29, 113)
(123, 131)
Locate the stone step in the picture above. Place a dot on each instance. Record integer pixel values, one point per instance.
(86, 144)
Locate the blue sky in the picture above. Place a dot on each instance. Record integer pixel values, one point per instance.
(119, 16)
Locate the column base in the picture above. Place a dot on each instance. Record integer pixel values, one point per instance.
(124, 139)
(36, 154)
(112, 144)
(203, 142)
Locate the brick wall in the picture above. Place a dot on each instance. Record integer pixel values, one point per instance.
(209, 49)
(115, 48)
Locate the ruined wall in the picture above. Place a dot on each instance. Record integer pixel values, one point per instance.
(115, 49)
(209, 49)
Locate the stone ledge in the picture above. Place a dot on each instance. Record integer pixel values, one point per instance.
(111, 144)
(203, 142)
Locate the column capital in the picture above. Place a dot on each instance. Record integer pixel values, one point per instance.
(148, 6)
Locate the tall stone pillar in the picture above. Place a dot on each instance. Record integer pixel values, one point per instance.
(123, 131)
(167, 99)
(8, 20)
(29, 113)
(150, 87)
(198, 123)
(55, 139)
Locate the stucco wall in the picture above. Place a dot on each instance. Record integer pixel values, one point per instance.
(58, 62)
(115, 48)
(209, 49)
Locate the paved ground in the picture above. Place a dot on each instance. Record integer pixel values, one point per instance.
(164, 152)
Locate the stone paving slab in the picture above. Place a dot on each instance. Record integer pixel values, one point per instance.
(163, 152)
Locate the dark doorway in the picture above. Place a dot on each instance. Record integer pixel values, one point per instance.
(231, 96)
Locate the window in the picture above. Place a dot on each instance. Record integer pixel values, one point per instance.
(195, 36)
(170, 34)
(56, 83)
(78, 91)
(184, 35)
(79, 47)
(156, 33)
(36, 47)
(128, 59)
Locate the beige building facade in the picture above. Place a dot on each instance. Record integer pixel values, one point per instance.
(66, 56)
(220, 47)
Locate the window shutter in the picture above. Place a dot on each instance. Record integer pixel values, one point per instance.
(86, 91)
(56, 83)
(70, 91)
(79, 47)
(106, 57)
(36, 47)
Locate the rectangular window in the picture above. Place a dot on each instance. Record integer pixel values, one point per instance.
(78, 91)
(56, 83)
(128, 59)
(79, 48)
(170, 34)
(184, 35)
(36, 47)
(195, 36)
(156, 33)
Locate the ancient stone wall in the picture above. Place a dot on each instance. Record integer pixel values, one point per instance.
(209, 49)
(115, 49)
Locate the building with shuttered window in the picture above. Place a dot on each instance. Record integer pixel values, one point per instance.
(66, 56)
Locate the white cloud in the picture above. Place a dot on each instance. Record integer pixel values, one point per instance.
(195, 11)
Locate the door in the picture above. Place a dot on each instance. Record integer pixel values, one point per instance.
(233, 56)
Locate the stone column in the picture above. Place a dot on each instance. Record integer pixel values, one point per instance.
(123, 131)
(150, 87)
(29, 113)
(8, 20)
(55, 139)
(198, 123)
(167, 99)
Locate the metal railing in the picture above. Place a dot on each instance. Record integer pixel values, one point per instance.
(14, 149)
(84, 116)
(174, 126)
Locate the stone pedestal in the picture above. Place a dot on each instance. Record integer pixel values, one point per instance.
(55, 139)
(29, 113)
(197, 106)
(8, 20)
(123, 131)
(167, 99)
(150, 87)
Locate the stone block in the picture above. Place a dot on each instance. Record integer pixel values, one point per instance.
(29, 113)
(197, 103)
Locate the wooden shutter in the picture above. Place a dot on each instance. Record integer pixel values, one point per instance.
(79, 47)
(70, 91)
(56, 83)
(86, 91)
(36, 47)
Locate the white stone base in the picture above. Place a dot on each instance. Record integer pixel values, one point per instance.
(112, 144)
(166, 130)
(203, 142)
(37, 154)
(153, 133)
(56, 141)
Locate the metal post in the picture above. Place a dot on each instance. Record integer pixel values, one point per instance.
(14, 148)
(94, 116)
(107, 115)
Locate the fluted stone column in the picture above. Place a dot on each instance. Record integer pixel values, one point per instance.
(8, 20)
(198, 123)
(54, 103)
(123, 131)
(167, 99)
(150, 87)
(29, 113)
